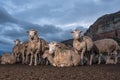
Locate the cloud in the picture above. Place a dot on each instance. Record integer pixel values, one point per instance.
(61, 12)
(5, 16)
(6, 44)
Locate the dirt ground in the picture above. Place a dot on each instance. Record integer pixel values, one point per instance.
(94, 72)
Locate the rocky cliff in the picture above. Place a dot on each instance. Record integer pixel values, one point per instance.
(107, 26)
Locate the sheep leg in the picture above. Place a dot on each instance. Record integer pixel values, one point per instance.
(31, 59)
(91, 58)
(17, 58)
(46, 62)
(35, 64)
(41, 60)
(81, 57)
(87, 57)
(99, 58)
(26, 60)
(108, 58)
(23, 58)
(116, 57)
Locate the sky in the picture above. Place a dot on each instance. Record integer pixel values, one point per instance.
(53, 19)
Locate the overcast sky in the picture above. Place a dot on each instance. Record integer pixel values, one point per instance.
(53, 19)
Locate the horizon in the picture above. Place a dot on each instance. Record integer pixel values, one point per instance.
(49, 17)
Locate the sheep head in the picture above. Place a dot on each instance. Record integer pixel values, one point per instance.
(32, 33)
(52, 47)
(17, 41)
(76, 34)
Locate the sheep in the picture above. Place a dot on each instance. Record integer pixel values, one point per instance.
(109, 46)
(43, 48)
(62, 57)
(8, 58)
(83, 45)
(58, 61)
(16, 51)
(36, 46)
(63, 46)
(20, 49)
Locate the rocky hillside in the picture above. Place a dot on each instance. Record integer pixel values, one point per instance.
(107, 26)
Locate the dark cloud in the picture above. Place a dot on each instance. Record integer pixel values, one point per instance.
(5, 17)
(64, 11)
(5, 45)
(3, 41)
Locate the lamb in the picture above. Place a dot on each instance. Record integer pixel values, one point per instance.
(36, 46)
(106, 45)
(62, 57)
(7, 58)
(82, 45)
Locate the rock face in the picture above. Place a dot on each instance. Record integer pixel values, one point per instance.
(68, 42)
(107, 26)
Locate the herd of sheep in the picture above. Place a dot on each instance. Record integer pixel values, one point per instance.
(37, 51)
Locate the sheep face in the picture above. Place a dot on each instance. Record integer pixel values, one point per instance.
(76, 34)
(32, 34)
(17, 41)
(52, 47)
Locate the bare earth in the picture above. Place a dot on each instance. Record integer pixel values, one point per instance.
(94, 72)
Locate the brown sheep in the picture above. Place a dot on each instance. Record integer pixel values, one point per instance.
(20, 50)
(35, 46)
(8, 58)
(83, 45)
(109, 46)
(16, 51)
(62, 57)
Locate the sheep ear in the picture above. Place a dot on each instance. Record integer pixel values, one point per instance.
(27, 31)
(81, 31)
(35, 32)
(14, 41)
(72, 32)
